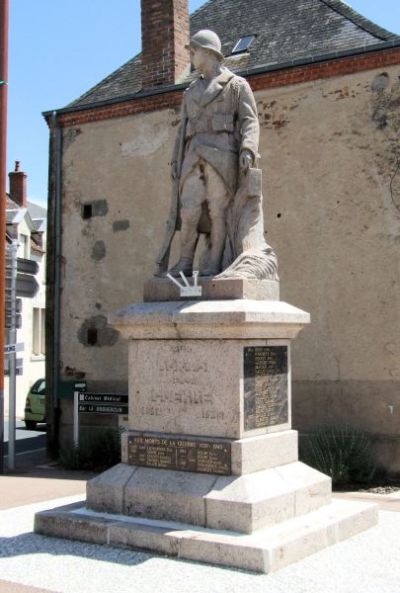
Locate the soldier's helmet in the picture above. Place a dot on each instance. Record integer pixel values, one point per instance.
(207, 40)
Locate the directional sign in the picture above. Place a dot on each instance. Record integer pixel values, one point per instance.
(18, 306)
(18, 317)
(11, 348)
(19, 363)
(27, 285)
(103, 403)
(103, 398)
(103, 409)
(18, 371)
(8, 320)
(27, 266)
(80, 386)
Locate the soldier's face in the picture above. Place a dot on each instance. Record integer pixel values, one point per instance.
(200, 58)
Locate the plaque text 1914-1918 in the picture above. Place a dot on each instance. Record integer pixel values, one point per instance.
(265, 386)
(199, 456)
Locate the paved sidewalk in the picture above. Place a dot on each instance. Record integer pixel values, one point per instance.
(36, 479)
(29, 563)
(39, 485)
(7, 587)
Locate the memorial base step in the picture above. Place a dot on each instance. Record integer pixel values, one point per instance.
(265, 550)
(238, 503)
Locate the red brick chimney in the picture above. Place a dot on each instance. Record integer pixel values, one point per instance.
(165, 32)
(18, 186)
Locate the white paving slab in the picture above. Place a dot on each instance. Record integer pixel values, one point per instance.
(365, 563)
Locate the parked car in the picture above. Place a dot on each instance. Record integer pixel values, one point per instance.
(35, 405)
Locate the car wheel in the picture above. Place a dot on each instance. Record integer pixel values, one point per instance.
(30, 424)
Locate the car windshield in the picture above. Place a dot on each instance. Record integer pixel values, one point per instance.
(39, 387)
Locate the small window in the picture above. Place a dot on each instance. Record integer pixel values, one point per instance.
(23, 248)
(36, 332)
(243, 44)
(92, 336)
(39, 332)
(87, 211)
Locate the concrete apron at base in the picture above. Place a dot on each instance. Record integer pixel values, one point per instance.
(264, 550)
(210, 468)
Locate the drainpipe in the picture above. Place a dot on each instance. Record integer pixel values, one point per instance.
(54, 273)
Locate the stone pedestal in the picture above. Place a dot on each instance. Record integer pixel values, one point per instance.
(210, 466)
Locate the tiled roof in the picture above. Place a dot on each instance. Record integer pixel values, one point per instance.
(285, 30)
(36, 211)
(15, 215)
(10, 204)
(127, 80)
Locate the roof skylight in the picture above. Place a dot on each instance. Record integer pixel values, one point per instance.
(243, 44)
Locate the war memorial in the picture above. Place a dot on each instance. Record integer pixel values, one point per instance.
(210, 468)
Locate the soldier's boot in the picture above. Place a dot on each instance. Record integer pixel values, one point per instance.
(189, 239)
(184, 265)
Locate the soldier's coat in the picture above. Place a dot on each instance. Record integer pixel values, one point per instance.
(219, 120)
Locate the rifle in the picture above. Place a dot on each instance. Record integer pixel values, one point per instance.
(173, 222)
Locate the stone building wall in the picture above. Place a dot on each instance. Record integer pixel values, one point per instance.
(330, 156)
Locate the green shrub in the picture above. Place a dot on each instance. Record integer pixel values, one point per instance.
(341, 452)
(98, 452)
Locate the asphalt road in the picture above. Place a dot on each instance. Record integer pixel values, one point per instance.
(26, 440)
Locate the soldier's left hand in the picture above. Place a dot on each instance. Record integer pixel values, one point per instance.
(245, 160)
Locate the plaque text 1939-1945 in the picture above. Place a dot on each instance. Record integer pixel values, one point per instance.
(212, 457)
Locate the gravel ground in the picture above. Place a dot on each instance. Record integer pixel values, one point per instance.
(381, 489)
(367, 563)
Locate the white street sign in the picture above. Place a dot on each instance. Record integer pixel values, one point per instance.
(11, 348)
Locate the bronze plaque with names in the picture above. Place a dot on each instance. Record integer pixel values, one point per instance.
(210, 457)
(265, 386)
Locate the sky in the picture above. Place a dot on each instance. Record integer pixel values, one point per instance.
(61, 48)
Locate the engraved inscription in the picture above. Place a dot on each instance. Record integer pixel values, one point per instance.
(180, 454)
(183, 387)
(186, 387)
(265, 386)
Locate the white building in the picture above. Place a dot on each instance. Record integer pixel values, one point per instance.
(26, 223)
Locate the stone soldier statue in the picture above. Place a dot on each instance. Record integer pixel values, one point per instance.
(216, 147)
